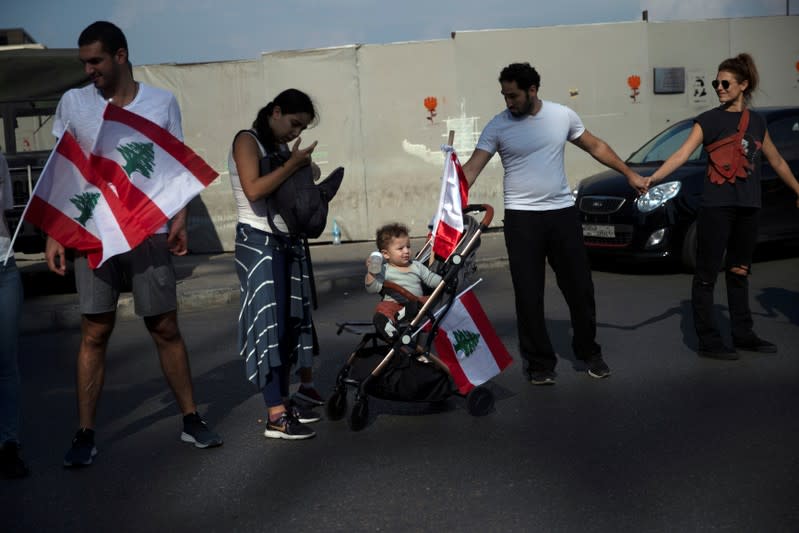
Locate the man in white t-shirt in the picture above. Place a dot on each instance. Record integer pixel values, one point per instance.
(103, 50)
(541, 221)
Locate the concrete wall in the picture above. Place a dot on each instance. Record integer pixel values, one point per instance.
(373, 121)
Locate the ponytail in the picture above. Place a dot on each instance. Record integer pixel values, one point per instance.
(261, 126)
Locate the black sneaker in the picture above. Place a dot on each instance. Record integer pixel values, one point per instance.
(302, 414)
(598, 368)
(755, 344)
(720, 352)
(288, 427)
(11, 464)
(196, 431)
(542, 377)
(83, 450)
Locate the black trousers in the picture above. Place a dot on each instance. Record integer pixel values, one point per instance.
(720, 229)
(531, 238)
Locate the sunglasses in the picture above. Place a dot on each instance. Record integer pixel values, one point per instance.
(725, 84)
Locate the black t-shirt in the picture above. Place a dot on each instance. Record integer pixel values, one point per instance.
(717, 124)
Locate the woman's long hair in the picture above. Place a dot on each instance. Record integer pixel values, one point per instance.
(290, 101)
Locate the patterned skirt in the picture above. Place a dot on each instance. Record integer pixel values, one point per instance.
(258, 319)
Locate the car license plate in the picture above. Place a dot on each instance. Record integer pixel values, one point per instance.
(604, 231)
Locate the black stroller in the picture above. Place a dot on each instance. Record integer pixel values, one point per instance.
(406, 370)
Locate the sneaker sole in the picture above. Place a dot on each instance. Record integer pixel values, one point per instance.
(719, 356)
(544, 382)
(757, 350)
(185, 437)
(309, 420)
(275, 434)
(308, 399)
(78, 465)
(597, 375)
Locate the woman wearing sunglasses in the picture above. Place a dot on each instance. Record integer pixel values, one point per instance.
(735, 138)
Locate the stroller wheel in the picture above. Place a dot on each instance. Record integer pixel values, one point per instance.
(359, 415)
(479, 401)
(337, 405)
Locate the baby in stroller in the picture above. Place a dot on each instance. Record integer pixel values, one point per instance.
(394, 243)
(393, 362)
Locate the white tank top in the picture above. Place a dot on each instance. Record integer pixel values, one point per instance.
(252, 213)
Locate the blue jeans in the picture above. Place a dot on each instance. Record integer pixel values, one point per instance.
(277, 386)
(11, 298)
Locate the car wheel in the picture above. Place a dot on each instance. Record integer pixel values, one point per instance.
(688, 254)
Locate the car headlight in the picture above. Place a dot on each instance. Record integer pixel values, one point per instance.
(657, 196)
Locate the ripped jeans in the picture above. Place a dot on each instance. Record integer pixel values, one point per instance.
(733, 229)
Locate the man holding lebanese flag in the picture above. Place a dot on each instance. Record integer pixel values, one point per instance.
(138, 176)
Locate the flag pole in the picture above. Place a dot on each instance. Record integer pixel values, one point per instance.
(451, 138)
(30, 197)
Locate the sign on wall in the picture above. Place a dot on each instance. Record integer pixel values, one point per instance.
(669, 80)
(700, 93)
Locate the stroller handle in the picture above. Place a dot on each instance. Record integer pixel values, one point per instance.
(487, 210)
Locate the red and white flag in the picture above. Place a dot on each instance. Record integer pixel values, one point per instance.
(154, 173)
(137, 177)
(467, 343)
(78, 209)
(448, 222)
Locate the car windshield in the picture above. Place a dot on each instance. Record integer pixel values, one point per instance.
(666, 143)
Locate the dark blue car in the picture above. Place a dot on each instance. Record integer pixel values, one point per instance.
(661, 224)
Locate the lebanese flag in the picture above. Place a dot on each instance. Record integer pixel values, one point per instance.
(78, 209)
(448, 222)
(154, 174)
(467, 343)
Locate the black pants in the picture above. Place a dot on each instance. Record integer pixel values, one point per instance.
(733, 229)
(532, 237)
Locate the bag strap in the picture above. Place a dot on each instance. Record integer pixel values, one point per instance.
(743, 124)
(251, 132)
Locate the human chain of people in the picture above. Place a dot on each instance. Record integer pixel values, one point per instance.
(276, 333)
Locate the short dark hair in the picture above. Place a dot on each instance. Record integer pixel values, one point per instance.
(385, 233)
(106, 33)
(523, 74)
(290, 101)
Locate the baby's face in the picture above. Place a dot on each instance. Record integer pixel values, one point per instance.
(398, 252)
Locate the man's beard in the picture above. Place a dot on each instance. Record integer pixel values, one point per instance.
(526, 110)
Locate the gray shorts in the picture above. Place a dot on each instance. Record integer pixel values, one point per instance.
(147, 269)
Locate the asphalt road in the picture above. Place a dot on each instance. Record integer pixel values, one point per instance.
(670, 442)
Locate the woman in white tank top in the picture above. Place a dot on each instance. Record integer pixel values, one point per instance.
(275, 327)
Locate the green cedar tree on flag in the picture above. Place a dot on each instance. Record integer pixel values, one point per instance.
(467, 343)
(154, 174)
(137, 177)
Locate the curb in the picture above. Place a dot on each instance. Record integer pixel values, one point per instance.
(44, 317)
